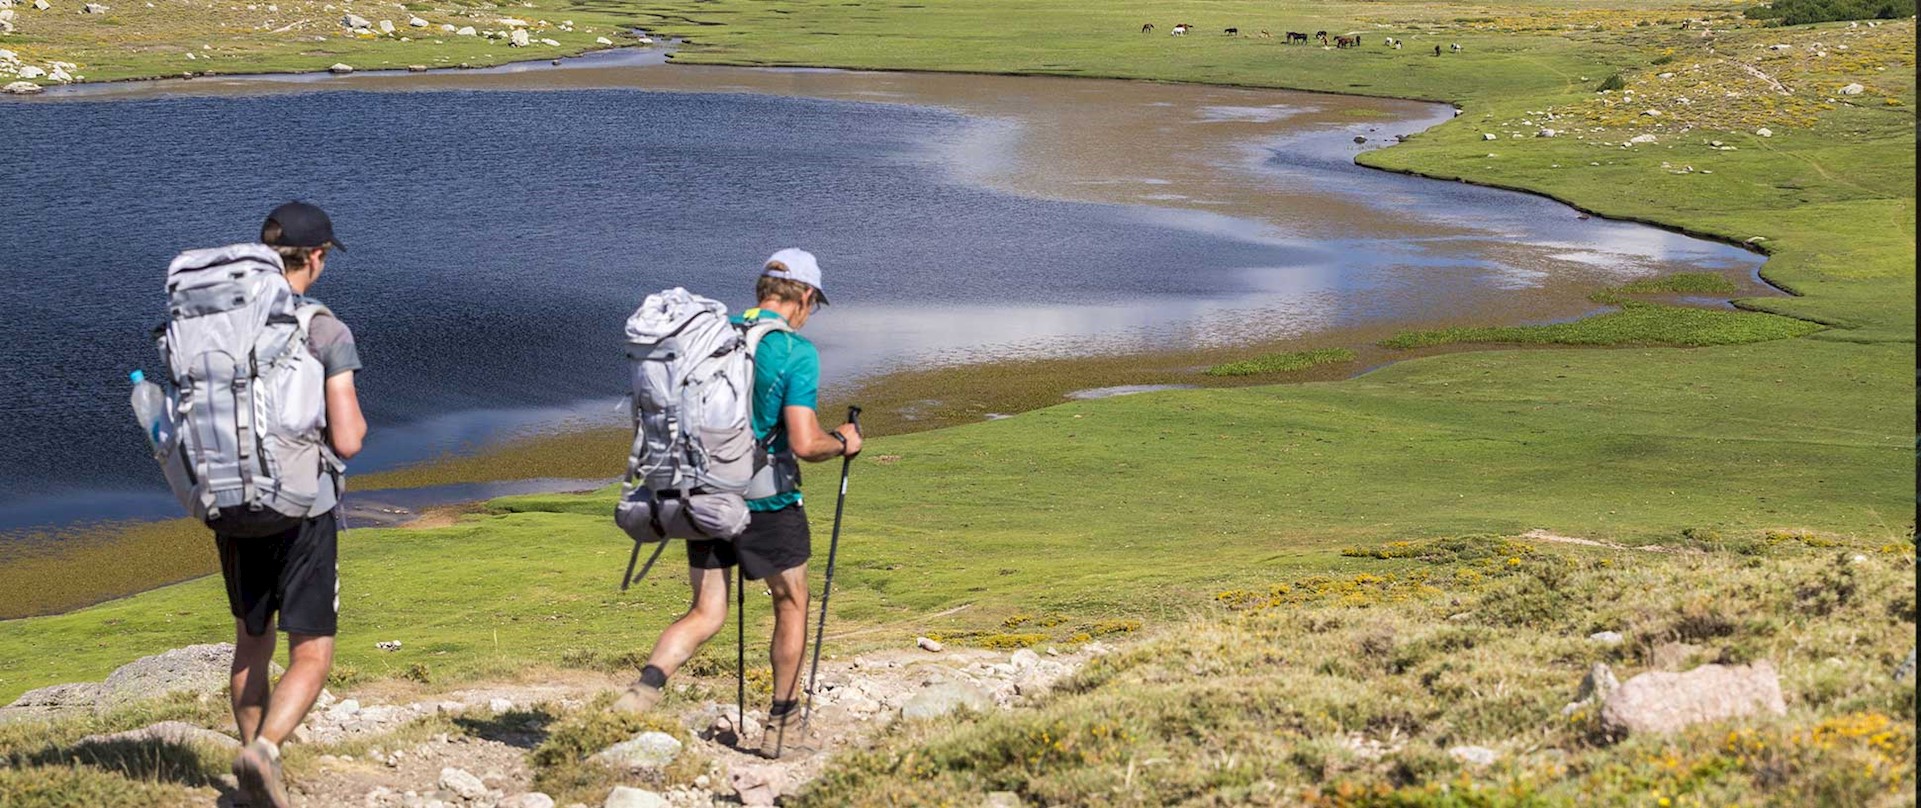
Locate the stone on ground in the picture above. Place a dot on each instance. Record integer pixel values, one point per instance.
(519, 38)
(355, 21)
(629, 797)
(21, 88)
(1661, 702)
(758, 785)
(341, 68)
(648, 750)
(462, 782)
(179, 733)
(531, 799)
(1474, 755)
(942, 698)
(1609, 638)
(928, 644)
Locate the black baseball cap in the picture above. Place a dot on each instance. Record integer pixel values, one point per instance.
(303, 225)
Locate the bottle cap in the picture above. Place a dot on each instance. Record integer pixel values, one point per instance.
(137, 376)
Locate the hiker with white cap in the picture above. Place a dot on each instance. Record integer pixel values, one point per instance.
(776, 544)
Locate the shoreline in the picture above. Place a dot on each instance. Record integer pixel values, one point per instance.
(457, 470)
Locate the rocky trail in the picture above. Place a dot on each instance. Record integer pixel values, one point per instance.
(369, 748)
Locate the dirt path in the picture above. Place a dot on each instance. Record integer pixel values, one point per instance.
(377, 751)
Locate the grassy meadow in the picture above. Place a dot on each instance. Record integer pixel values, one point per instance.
(1315, 628)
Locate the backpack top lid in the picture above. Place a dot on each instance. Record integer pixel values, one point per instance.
(664, 314)
(207, 258)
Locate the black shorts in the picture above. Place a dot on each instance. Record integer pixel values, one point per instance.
(775, 541)
(293, 573)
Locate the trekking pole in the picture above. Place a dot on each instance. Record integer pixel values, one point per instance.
(630, 578)
(740, 647)
(833, 547)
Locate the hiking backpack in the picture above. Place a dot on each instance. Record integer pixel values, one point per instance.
(245, 454)
(694, 460)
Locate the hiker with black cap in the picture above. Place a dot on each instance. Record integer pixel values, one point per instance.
(776, 545)
(288, 579)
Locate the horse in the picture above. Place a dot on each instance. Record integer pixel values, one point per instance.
(1389, 42)
(1148, 28)
(1322, 36)
(1456, 47)
(1179, 30)
(1296, 36)
(1347, 41)
(1231, 31)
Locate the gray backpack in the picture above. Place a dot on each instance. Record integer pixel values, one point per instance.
(245, 454)
(694, 460)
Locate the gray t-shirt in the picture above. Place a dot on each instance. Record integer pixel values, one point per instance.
(331, 342)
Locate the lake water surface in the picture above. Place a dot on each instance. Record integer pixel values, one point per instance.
(500, 228)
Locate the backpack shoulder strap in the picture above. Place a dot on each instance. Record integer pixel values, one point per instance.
(758, 327)
(305, 313)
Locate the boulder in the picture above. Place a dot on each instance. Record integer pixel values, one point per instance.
(447, 27)
(41, 5)
(1607, 638)
(200, 669)
(757, 785)
(386, 26)
(416, 22)
(93, 8)
(945, 697)
(466, 30)
(416, 68)
(1474, 755)
(1662, 702)
(601, 40)
(341, 68)
(518, 38)
(1547, 133)
(629, 797)
(1490, 136)
(929, 644)
(1025, 658)
(31, 72)
(1643, 139)
(648, 750)
(354, 21)
(179, 733)
(551, 43)
(1853, 89)
(1764, 132)
(531, 799)
(463, 783)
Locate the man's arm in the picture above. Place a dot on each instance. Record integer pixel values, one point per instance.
(810, 442)
(346, 427)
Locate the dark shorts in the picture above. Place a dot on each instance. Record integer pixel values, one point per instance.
(291, 573)
(775, 541)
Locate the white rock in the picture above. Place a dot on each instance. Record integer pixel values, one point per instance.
(1490, 136)
(1764, 132)
(346, 709)
(512, 22)
(461, 782)
(93, 8)
(1642, 139)
(41, 5)
(60, 75)
(31, 72)
(1547, 133)
(648, 750)
(1853, 89)
(550, 43)
(341, 67)
(601, 40)
(1474, 755)
(532, 799)
(355, 21)
(21, 88)
(1605, 637)
(386, 26)
(417, 22)
(466, 30)
(629, 797)
(929, 644)
(519, 38)
(1025, 658)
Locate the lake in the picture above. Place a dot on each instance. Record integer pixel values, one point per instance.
(502, 225)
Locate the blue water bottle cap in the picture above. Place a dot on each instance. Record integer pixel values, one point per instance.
(137, 376)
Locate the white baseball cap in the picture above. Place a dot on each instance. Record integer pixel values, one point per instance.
(795, 264)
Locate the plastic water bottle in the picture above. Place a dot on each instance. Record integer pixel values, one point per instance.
(150, 407)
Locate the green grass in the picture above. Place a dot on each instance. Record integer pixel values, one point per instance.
(1634, 324)
(1282, 362)
(1351, 689)
(1140, 506)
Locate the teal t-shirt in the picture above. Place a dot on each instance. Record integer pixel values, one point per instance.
(786, 374)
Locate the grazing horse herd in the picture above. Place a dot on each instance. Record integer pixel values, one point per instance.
(1340, 41)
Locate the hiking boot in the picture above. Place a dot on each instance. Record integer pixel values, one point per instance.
(780, 737)
(257, 769)
(637, 699)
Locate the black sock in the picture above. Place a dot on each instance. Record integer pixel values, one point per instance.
(653, 677)
(783, 707)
